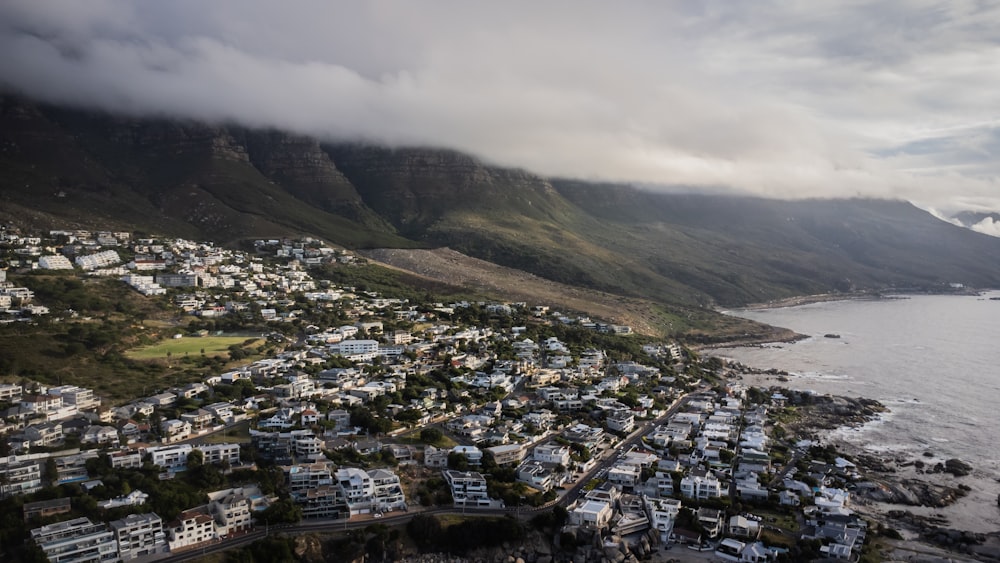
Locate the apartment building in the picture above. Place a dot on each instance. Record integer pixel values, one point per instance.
(20, 477)
(193, 527)
(77, 540)
(83, 399)
(231, 509)
(305, 477)
(468, 488)
(139, 535)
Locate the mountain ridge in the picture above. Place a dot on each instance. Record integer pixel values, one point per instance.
(226, 182)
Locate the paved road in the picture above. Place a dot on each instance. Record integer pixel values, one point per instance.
(630, 441)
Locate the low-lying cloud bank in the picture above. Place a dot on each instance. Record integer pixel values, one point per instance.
(888, 99)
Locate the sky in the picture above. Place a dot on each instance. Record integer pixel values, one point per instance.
(785, 99)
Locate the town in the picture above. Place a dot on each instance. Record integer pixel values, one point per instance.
(338, 406)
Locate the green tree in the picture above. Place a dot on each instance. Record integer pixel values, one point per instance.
(431, 435)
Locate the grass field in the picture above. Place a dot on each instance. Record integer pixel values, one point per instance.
(239, 434)
(179, 347)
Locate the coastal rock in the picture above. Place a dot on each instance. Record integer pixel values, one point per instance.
(957, 467)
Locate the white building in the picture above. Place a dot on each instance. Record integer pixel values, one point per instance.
(305, 477)
(701, 486)
(621, 421)
(139, 535)
(662, 514)
(387, 493)
(175, 430)
(591, 512)
(468, 488)
(98, 260)
(125, 459)
(171, 458)
(193, 527)
(552, 453)
(357, 487)
(20, 477)
(54, 262)
(624, 475)
(231, 509)
(76, 540)
(219, 453)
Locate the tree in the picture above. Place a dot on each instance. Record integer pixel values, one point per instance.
(284, 511)
(458, 461)
(195, 459)
(431, 435)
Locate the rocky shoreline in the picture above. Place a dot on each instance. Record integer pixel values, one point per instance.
(902, 493)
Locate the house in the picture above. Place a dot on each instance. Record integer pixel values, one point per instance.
(162, 399)
(701, 485)
(757, 552)
(44, 434)
(192, 390)
(135, 498)
(592, 513)
(743, 527)
(192, 528)
(309, 417)
(73, 468)
(171, 458)
(436, 457)
(468, 488)
(219, 454)
(624, 475)
(200, 419)
(231, 509)
(387, 492)
(368, 447)
(621, 421)
(662, 513)
(711, 521)
(175, 430)
(103, 435)
(125, 459)
(552, 452)
(473, 454)
(537, 475)
(325, 501)
(46, 508)
(507, 454)
(730, 549)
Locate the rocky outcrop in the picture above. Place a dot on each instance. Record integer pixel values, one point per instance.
(414, 187)
(914, 492)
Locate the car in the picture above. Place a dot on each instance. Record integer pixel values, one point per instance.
(377, 515)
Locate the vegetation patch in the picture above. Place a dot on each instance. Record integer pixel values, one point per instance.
(203, 346)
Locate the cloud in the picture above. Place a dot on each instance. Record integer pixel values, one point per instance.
(887, 99)
(988, 226)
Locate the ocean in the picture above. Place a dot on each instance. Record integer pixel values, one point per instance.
(933, 360)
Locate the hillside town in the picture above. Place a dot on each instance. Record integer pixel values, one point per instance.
(398, 408)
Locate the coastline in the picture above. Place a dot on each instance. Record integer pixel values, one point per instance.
(910, 493)
(872, 295)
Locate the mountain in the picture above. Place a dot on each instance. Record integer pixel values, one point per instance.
(222, 182)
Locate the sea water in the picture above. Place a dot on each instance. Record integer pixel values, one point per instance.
(933, 360)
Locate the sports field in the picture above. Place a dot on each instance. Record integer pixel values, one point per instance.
(190, 346)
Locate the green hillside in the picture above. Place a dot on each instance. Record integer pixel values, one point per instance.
(221, 182)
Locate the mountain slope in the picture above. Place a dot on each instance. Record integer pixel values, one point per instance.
(225, 183)
(178, 178)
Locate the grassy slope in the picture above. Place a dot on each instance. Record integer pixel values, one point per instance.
(179, 347)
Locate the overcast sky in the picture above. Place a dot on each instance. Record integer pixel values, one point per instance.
(785, 98)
